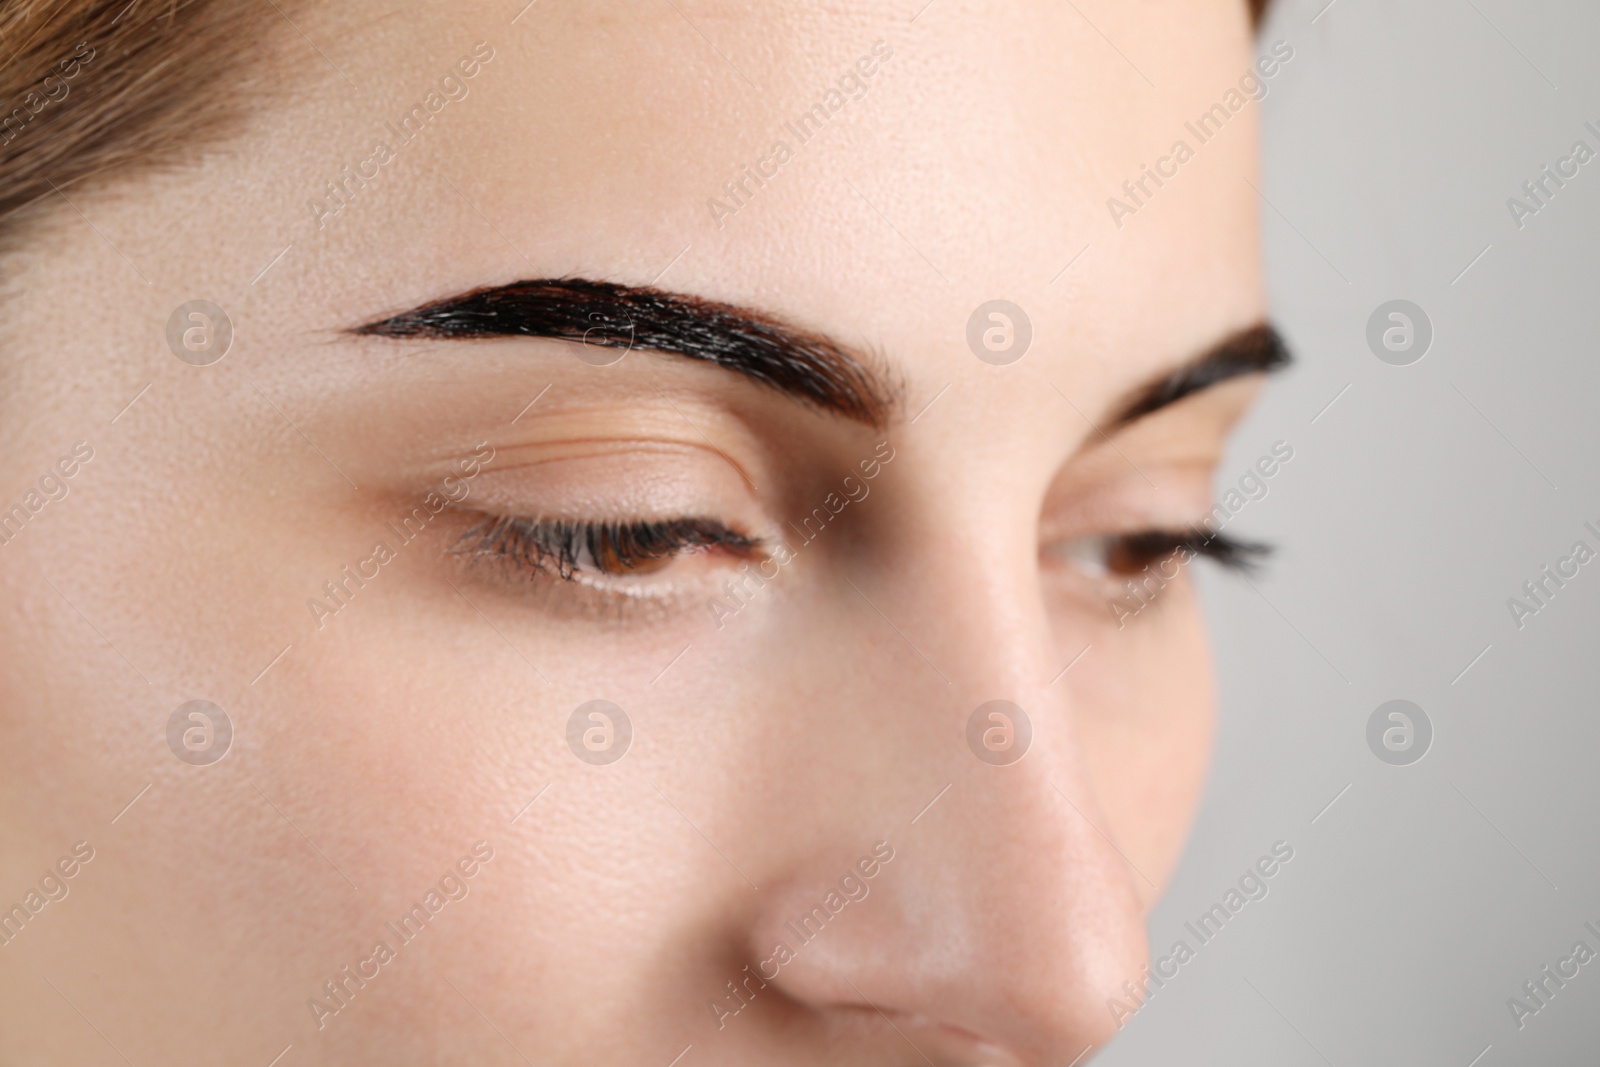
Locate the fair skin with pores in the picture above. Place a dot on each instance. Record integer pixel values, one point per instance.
(783, 744)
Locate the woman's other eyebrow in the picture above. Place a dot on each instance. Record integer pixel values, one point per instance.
(1257, 349)
(802, 364)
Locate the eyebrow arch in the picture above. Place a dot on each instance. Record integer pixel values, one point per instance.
(1257, 349)
(798, 362)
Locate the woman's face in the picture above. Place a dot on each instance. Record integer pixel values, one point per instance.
(799, 558)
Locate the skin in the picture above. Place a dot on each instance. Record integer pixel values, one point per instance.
(426, 713)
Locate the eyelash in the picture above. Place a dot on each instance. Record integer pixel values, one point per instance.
(619, 549)
(610, 549)
(1149, 547)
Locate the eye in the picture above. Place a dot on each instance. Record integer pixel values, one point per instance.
(600, 551)
(1112, 557)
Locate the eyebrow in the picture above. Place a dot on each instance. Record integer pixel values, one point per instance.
(1258, 349)
(803, 364)
(806, 365)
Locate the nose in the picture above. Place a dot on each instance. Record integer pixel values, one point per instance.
(1006, 917)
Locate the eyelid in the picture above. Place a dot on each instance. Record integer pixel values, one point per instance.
(609, 548)
(1231, 553)
(608, 477)
(646, 412)
(1140, 550)
(1121, 501)
(1193, 430)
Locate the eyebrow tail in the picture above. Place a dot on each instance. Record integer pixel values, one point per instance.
(1258, 349)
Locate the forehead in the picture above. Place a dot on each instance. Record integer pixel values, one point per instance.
(858, 171)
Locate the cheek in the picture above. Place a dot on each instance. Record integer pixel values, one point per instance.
(407, 730)
(1145, 710)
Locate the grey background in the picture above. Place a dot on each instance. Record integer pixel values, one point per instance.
(1414, 507)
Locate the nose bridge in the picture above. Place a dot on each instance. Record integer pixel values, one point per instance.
(978, 604)
(969, 585)
(1007, 912)
(1060, 921)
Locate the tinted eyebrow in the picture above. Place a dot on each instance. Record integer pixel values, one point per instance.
(800, 363)
(1253, 350)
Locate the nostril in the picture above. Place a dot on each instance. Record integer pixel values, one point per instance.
(926, 1040)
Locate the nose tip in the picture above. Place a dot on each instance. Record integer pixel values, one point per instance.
(1062, 920)
(995, 932)
(998, 922)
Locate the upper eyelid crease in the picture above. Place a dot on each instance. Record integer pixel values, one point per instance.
(805, 365)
